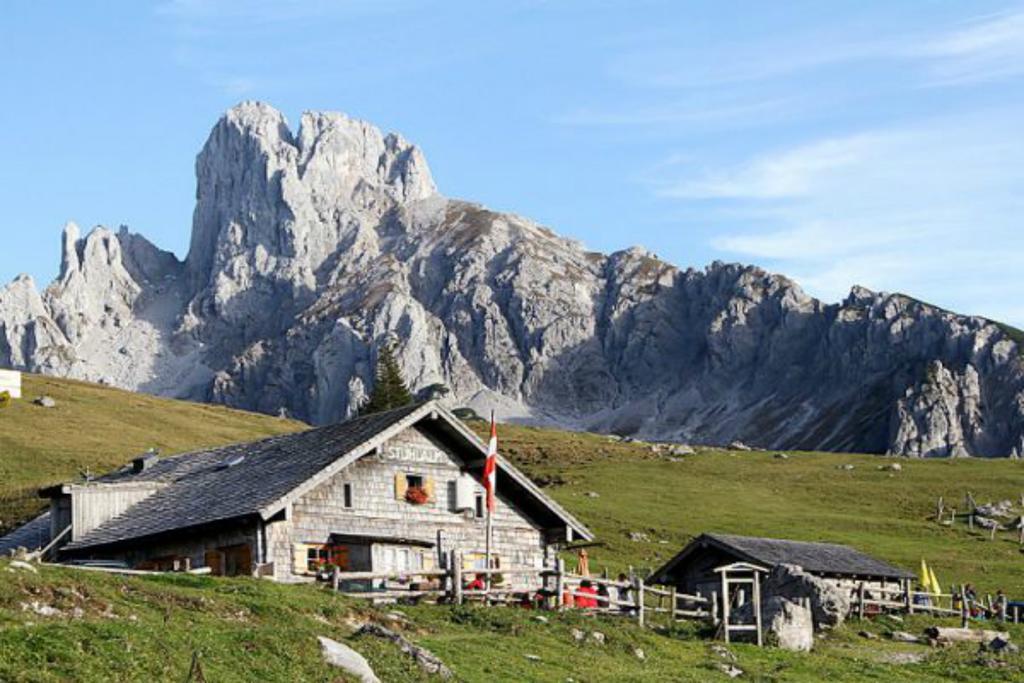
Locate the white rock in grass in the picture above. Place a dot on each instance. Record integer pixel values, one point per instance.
(25, 566)
(730, 670)
(344, 657)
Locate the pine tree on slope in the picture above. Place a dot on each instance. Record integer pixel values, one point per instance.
(389, 388)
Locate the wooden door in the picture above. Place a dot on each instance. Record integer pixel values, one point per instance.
(215, 561)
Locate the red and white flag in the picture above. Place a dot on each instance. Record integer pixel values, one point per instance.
(491, 465)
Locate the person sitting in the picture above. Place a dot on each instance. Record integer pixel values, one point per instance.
(603, 596)
(586, 595)
(624, 597)
(478, 583)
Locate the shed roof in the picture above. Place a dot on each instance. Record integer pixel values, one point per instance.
(818, 558)
(262, 477)
(31, 536)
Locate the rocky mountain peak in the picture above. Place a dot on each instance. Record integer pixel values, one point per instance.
(310, 248)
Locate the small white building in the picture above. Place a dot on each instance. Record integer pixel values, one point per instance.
(10, 381)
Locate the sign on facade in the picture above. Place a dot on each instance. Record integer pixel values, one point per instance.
(10, 381)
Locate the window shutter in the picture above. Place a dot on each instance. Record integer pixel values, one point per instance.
(300, 550)
(428, 486)
(401, 485)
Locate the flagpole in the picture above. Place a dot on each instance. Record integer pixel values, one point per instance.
(487, 539)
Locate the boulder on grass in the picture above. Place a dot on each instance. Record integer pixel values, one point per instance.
(342, 656)
(829, 604)
(787, 624)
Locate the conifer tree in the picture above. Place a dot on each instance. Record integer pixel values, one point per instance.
(389, 388)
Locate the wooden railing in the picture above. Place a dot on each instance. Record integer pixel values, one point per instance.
(557, 587)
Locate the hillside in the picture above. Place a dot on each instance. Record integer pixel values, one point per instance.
(805, 496)
(313, 245)
(98, 428)
(149, 628)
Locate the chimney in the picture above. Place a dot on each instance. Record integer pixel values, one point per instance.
(144, 462)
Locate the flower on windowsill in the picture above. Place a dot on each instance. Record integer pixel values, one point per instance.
(417, 495)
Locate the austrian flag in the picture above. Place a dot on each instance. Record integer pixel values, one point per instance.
(491, 465)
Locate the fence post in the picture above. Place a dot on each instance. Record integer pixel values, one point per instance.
(673, 605)
(938, 510)
(908, 597)
(638, 586)
(714, 608)
(965, 611)
(860, 600)
(334, 579)
(456, 573)
(559, 582)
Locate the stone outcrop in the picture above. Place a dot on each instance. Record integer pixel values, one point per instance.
(423, 657)
(787, 625)
(345, 658)
(311, 248)
(829, 605)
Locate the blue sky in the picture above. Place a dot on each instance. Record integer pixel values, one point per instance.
(841, 143)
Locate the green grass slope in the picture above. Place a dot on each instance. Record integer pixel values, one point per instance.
(149, 628)
(101, 627)
(806, 496)
(99, 428)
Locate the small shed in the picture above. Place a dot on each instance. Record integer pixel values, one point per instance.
(693, 570)
(10, 381)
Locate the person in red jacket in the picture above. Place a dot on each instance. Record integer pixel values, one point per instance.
(586, 595)
(477, 584)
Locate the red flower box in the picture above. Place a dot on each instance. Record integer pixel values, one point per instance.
(417, 495)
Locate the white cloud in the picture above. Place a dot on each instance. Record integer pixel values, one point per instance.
(935, 210)
(989, 48)
(689, 112)
(986, 48)
(788, 174)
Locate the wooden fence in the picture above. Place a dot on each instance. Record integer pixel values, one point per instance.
(874, 600)
(556, 587)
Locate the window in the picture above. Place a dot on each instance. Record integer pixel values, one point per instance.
(311, 557)
(479, 505)
(416, 489)
(347, 488)
(478, 560)
(315, 557)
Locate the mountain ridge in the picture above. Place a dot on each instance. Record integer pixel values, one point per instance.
(310, 248)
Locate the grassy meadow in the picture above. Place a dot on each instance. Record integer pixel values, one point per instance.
(804, 496)
(117, 628)
(149, 628)
(99, 428)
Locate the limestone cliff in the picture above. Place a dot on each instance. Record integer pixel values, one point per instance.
(310, 248)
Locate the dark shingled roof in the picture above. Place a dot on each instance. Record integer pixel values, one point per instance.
(31, 536)
(248, 479)
(201, 489)
(818, 558)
